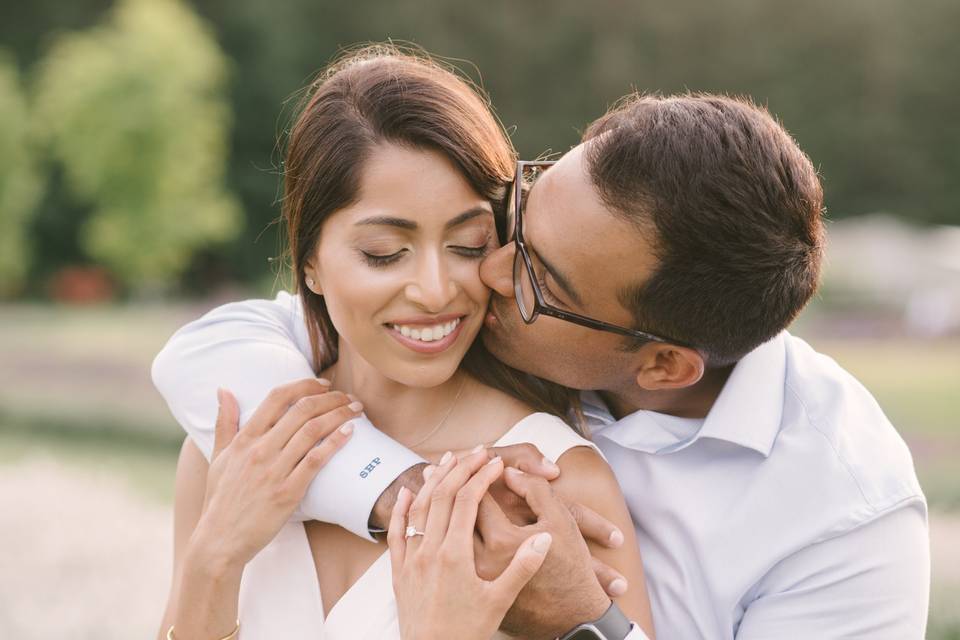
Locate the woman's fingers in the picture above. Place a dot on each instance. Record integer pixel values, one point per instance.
(396, 530)
(315, 459)
(303, 411)
(420, 508)
(278, 401)
(228, 421)
(456, 487)
(310, 432)
(464, 513)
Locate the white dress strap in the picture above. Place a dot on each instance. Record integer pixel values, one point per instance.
(547, 432)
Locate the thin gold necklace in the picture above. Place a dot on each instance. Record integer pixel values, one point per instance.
(443, 420)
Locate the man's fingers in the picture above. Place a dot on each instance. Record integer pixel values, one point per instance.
(228, 421)
(278, 401)
(525, 564)
(594, 527)
(536, 491)
(611, 580)
(397, 528)
(490, 517)
(528, 459)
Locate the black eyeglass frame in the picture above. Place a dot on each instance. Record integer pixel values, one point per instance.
(540, 306)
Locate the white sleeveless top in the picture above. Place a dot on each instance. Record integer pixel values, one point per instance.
(280, 595)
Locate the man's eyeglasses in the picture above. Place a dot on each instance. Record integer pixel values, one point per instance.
(526, 280)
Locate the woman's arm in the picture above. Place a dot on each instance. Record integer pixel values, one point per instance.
(586, 479)
(190, 485)
(255, 480)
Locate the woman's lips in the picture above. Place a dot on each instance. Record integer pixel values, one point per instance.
(434, 346)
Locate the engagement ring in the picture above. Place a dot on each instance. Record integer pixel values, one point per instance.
(412, 531)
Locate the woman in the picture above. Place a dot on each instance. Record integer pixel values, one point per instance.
(392, 173)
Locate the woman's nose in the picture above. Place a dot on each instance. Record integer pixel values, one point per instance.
(496, 270)
(433, 288)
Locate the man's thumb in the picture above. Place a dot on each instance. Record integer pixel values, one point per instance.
(228, 421)
(526, 562)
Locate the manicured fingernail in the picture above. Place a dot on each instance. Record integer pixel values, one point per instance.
(542, 542)
(550, 465)
(428, 471)
(352, 397)
(513, 471)
(477, 449)
(403, 493)
(616, 538)
(324, 382)
(347, 429)
(496, 460)
(355, 406)
(446, 458)
(220, 396)
(617, 588)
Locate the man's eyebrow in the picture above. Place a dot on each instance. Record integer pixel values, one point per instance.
(562, 280)
(410, 225)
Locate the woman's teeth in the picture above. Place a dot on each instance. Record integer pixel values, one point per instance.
(427, 334)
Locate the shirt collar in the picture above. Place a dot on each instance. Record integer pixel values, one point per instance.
(747, 412)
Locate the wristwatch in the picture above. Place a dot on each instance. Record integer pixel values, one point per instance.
(612, 625)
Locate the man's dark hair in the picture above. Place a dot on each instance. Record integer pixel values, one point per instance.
(733, 208)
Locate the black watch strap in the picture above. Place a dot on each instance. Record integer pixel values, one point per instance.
(612, 625)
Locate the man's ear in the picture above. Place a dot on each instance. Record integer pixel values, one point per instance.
(668, 366)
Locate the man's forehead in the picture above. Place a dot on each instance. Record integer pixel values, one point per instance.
(567, 222)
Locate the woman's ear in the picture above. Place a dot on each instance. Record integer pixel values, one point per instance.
(312, 278)
(668, 366)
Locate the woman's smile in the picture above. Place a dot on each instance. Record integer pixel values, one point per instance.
(427, 335)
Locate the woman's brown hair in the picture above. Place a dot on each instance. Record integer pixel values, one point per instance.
(382, 93)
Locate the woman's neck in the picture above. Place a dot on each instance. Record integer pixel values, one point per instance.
(406, 413)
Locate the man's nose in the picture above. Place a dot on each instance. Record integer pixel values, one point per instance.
(433, 288)
(496, 270)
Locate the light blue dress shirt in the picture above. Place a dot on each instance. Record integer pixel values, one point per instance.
(791, 511)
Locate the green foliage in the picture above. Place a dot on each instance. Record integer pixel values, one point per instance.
(134, 111)
(20, 181)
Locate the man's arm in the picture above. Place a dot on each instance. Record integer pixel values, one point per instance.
(250, 348)
(873, 582)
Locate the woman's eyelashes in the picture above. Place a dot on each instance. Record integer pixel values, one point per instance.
(381, 259)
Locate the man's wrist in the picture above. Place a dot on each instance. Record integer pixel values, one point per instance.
(412, 479)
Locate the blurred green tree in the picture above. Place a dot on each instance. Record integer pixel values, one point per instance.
(20, 181)
(134, 110)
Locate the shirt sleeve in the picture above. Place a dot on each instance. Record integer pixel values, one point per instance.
(872, 582)
(636, 633)
(249, 348)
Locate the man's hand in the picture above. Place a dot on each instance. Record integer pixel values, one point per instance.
(566, 591)
(525, 457)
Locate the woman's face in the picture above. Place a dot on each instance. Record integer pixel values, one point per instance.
(399, 269)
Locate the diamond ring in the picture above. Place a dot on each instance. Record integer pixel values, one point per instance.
(412, 531)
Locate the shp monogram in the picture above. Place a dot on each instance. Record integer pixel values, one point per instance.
(370, 467)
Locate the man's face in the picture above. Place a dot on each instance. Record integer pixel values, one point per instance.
(592, 255)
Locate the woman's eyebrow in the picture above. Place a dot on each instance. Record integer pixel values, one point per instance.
(404, 223)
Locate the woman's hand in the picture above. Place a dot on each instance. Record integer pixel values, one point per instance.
(259, 474)
(439, 594)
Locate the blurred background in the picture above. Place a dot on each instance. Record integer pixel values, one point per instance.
(138, 188)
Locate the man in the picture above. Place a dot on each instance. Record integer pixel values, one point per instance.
(658, 265)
